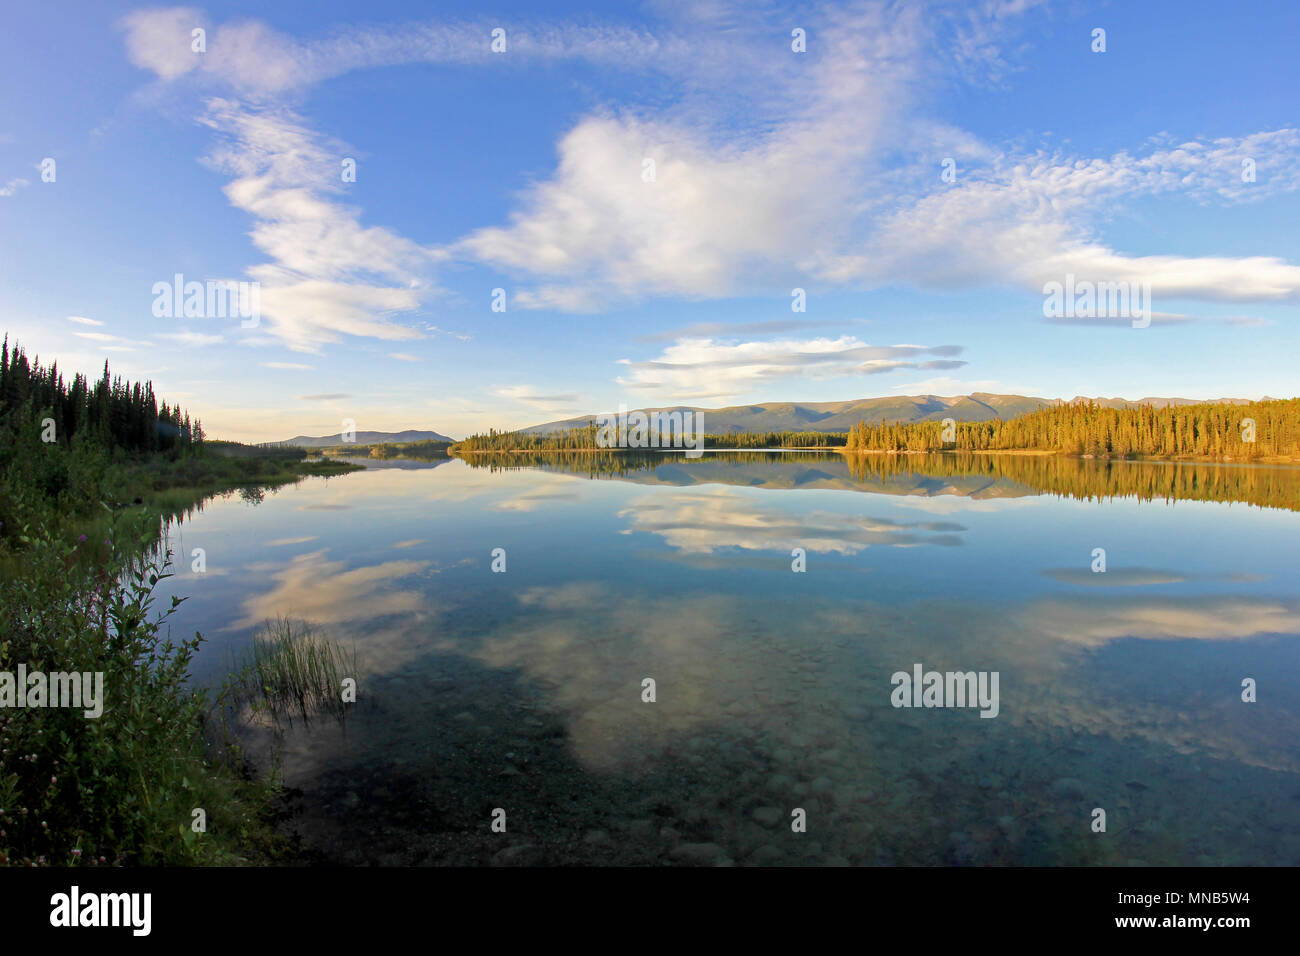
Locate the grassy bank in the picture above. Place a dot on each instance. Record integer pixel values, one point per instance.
(154, 779)
(126, 765)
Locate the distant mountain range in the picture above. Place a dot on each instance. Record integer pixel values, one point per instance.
(841, 416)
(365, 438)
(806, 416)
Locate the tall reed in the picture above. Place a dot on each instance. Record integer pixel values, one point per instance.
(290, 670)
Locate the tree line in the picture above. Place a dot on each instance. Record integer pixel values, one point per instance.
(782, 439)
(494, 440)
(110, 413)
(585, 438)
(1217, 430)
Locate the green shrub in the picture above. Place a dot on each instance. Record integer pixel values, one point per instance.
(121, 788)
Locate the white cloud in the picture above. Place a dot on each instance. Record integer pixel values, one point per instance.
(328, 276)
(711, 218)
(455, 335)
(82, 320)
(112, 343)
(770, 171)
(161, 40)
(11, 187)
(708, 368)
(192, 339)
(286, 365)
(708, 519)
(727, 210)
(253, 59)
(533, 397)
(811, 198)
(1029, 220)
(946, 386)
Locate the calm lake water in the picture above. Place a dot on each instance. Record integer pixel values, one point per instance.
(522, 690)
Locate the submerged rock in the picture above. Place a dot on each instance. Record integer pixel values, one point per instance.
(780, 783)
(1069, 788)
(766, 855)
(767, 816)
(700, 854)
(525, 854)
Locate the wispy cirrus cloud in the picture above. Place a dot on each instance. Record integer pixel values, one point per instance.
(328, 275)
(1025, 220)
(714, 329)
(256, 60)
(434, 330)
(108, 342)
(193, 339)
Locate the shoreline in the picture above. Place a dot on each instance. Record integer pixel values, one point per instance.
(841, 450)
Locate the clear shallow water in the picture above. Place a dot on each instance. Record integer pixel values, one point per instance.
(522, 690)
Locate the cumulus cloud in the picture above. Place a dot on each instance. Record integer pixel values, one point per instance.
(161, 40)
(329, 592)
(705, 520)
(709, 218)
(710, 368)
(719, 210)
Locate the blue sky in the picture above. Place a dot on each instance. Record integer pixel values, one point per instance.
(525, 170)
